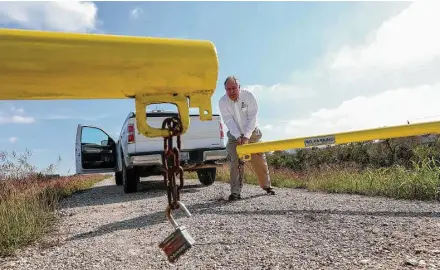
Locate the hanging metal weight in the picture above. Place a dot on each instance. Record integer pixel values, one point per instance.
(179, 241)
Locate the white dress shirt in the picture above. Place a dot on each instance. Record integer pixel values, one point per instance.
(240, 116)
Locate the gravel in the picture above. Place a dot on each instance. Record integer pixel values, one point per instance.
(103, 228)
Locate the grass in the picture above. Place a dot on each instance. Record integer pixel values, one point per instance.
(395, 182)
(403, 168)
(420, 183)
(281, 177)
(28, 199)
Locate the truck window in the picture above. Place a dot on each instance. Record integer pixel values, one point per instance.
(90, 135)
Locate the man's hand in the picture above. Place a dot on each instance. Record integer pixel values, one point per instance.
(242, 140)
(239, 140)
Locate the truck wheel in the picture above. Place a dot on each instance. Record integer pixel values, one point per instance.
(207, 176)
(118, 178)
(130, 179)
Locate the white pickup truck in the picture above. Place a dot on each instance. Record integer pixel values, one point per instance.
(134, 156)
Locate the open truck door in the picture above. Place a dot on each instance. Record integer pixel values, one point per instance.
(95, 151)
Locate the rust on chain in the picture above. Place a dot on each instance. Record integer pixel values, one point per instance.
(240, 170)
(172, 154)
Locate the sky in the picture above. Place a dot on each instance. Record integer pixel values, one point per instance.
(315, 67)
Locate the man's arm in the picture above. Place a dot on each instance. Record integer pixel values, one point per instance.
(229, 120)
(252, 116)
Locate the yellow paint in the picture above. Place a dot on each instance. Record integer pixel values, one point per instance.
(40, 65)
(244, 151)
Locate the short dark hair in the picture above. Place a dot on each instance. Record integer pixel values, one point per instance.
(231, 78)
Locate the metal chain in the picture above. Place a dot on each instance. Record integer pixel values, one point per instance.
(240, 172)
(240, 169)
(172, 154)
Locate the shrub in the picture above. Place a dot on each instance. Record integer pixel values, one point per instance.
(28, 198)
(387, 153)
(401, 168)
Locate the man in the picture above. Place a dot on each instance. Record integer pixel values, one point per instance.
(239, 109)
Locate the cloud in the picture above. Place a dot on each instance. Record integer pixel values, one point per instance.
(17, 110)
(136, 12)
(266, 127)
(11, 140)
(16, 119)
(407, 39)
(403, 52)
(392, 107)
(68, 16)
(13, 115)
(390, 78)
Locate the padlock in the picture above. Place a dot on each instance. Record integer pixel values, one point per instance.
(178, 242)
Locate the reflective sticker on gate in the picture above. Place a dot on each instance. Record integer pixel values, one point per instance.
(320, 141)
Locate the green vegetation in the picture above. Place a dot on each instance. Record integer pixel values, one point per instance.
(28, 198)
(397, 168)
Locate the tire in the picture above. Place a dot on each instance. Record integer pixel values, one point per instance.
(130, 179)
(118, 178)
(207, 176)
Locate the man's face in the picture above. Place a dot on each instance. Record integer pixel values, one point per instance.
(232, 89)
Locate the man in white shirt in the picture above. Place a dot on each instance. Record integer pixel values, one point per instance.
(239, 109)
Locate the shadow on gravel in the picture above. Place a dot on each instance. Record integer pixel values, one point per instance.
(102, 195)
(214, 207)
(134, 223)
(209, 208)
(147, 220)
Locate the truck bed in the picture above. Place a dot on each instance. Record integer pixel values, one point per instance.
(200, 134)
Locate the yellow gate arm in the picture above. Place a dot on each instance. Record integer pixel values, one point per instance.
(244, 151)
(40, 65)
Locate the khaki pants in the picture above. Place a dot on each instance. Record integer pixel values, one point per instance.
(258, 162)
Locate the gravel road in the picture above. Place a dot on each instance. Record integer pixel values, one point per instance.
(103, 228)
